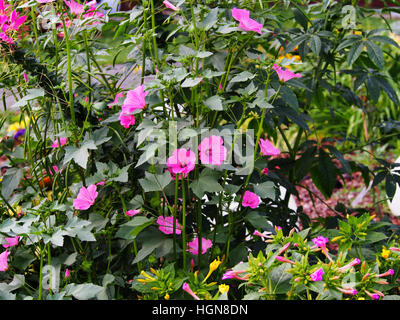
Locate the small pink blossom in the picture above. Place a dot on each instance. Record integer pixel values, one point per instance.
(55, 144)
(11, 242)
(166, 225)
(186, 288)
(212, 151)
(245, 22)
(25, 77)
(349, 291)
(285, 260)
(132, 213)
(182, 161)
(193, 246)
(3, 260)
(126, 120)
(267, 149)
(67, 273)
(317, 275)
(258, 233)
(234, 274)
(251, 200)
(320, 241)
(117, 96)
(265, 171)
(350, 265)
(285, 75)
(101, 183)
(169, 5)
(390, 272)
(284, 248)
(86, 197)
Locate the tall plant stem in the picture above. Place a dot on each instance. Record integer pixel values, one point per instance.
(69, 66)
(184, 224)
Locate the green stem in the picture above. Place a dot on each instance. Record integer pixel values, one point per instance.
(184, 223)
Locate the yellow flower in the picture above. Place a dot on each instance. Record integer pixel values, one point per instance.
(361, 298)
(223, 288)
(385, 253)
(166, 297)
(213, 266)
(17, 125)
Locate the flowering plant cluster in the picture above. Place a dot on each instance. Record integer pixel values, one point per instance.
(144, 154)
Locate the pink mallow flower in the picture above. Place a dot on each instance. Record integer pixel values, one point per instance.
(86, 197)
(126, 120)
(166, 225)
(132, 213)
(212, 151)
(3, 260)
(117, 96)
(251, 200)
(245, 22)
(135, 99)
(285, 75)
(317, 275)
(181, 162)
(169, 5)
(67, 273)
(320, 241)
(267, 149)
(55, 143)
(11, 242)
(186, 288)
(193, 246)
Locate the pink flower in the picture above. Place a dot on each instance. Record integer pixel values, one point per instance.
(126, 120)
(317, 275)
(67, 273)
(135, 99)
(374, 296)
(182, 161)
(3, 260)
(250, 199)
(245, 22)
(320, 241)
(349, 265)
(166, 225)
(56, 144)
(169, 5)
(285, 260)
(231, 274)
(285, 75)
(390, 272)
(267, 149)
(265, 171)
(350, 291)
(75, 7)
(186, 288)
(11, 242)
(86, 197)
(101, 183)
(132, 213)
(25, 77)
(15, 21)
(212, 150)
(258, 233)
(193, 246)
(284, 248)
(45, 1)
(118, 95)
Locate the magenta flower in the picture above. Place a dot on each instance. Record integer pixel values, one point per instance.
(86, 197)
(390, 272)
(317, 275)
(193, 246)
(285, 260)
(101, 183)
(11, 242)
(245, 22)
(135, 99)
(15, 21)
(251, 200)
(320, 241)
(3, 260)
(56, 144)
(231, 274)
(258, 233)
(349, 265)
(350, 291)
(182, 161)
(186, 288)
(67, 273)
(265, 171)
(284, 248)
(117, 96)
(45, 1)
(285, 75)
(169, 5)
(132, 213)
(212, 151)
(166, 225)
(267, 149)
(126, 120)
(75, 7)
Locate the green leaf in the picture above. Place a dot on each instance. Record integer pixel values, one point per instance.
(32, 94)
(131, 229)
(190, 82)
(315, 44)
(11, 180)
(300, 17)
(207, 182)
(258, 221)
(355, 52)
(155, 182)
(265, 190)
(289, 97)
(214, 103)
(149, 246)
(243, 76)
(210, 20)
(376, 54)
(324, 175)
(280, 279)
(84, 291)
